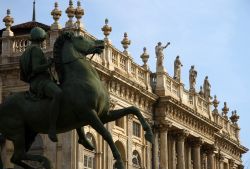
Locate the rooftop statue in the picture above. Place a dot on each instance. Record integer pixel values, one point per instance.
(207, 88)
(177, 68)
(82, 98)
(192, 78)
(159, 53)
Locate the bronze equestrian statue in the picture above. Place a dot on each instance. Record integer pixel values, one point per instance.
(83, 101)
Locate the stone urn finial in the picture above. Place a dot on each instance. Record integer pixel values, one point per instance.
(56, 13)
(70, 11)
(79, 12)
(106, 29)
(215, 102)
(225, 110)
(234, 117)
(144, 57)
(8, 20)
(125, 43)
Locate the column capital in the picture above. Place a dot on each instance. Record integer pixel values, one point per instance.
(181, 134)
(164, 125)
(197, 142)
(210, 149)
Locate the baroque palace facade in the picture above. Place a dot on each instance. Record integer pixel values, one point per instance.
(190, 132)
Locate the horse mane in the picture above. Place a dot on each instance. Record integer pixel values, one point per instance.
(57, 53)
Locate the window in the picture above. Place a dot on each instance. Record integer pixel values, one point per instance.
(136, 129)
(119, 123)
(136, 159)
(88, 162)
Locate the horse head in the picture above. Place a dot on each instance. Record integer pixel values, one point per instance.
(69, 48)
(87, 46)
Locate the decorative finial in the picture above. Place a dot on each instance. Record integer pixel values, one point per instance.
(225, 110)
(125, 43)
(234, 117)
(144, 57)
(56, 13)
(215, 102)
(8, 20)
(79, 12)
(34, 11)
(106, 29)
(70, 11)
(215, 111)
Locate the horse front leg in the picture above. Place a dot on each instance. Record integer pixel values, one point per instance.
(116, 114)
(97, 124)
(83, 140)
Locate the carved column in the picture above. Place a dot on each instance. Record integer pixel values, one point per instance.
(197, 153)
(180, 149)
(189, 157)
(173, 153)
(156, 149)
(164, 145)
(210, 158)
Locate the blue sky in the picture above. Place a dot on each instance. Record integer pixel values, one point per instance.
(213, 35)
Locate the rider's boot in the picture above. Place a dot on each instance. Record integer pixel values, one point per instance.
(56, 95)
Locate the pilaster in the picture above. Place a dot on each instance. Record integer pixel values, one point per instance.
(129, 147)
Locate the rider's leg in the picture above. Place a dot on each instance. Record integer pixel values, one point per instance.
(54, 92)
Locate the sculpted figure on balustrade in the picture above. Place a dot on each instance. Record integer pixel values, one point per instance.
(192, 78)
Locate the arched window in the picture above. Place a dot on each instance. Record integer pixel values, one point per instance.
(136, 159)
(89, 156)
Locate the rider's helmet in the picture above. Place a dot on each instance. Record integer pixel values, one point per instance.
(37, 34)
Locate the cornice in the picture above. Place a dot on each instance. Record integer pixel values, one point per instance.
(190, 111)
(226, 139)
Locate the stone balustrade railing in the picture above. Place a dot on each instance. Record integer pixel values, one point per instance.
(200, 105)
(17, 45)
(20, 43)
(228, 129)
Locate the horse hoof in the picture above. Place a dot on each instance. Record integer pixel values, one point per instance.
(86, 144)
(149, 137)
(119, 165)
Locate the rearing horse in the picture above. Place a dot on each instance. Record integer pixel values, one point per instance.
(85, 102)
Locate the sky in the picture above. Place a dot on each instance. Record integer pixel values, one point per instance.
(213, 35)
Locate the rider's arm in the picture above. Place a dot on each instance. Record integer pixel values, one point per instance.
(39, 63)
